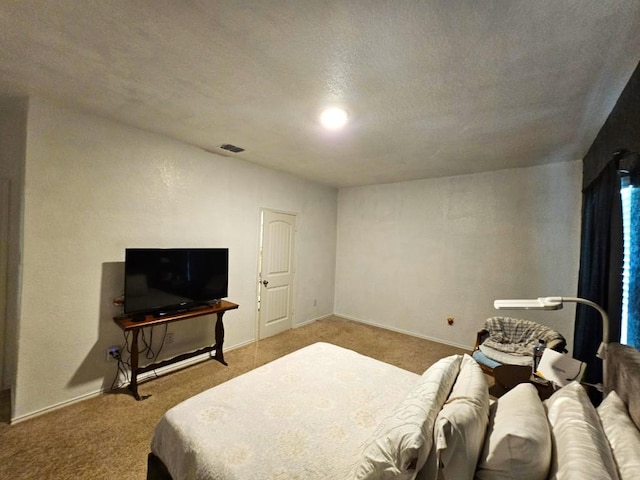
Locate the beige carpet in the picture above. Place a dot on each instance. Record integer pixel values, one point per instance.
(107, 437)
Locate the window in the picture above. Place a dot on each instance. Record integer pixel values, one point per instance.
(630, 319)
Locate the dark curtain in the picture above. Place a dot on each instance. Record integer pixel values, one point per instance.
(601, 234)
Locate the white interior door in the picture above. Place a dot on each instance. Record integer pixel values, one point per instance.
(276, 272)
(4, 252)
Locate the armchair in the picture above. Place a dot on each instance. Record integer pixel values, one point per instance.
(510, 341)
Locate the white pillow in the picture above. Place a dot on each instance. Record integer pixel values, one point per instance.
(460, 427)
(518, 441)
(400, 444)
(580, 448)
(623, 435)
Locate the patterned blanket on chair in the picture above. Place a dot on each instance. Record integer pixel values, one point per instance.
(517, 336)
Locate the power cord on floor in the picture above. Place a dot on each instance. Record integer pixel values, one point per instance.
(121, 370)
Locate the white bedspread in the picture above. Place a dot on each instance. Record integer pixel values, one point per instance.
(278, 422)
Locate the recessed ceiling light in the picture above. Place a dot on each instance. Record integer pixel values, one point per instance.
(333, 118)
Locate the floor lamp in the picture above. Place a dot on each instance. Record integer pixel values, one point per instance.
(556, 303)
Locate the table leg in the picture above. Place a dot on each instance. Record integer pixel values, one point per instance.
(219, 356)
(133, 386)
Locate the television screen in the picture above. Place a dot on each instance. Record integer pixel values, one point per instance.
(165, 280)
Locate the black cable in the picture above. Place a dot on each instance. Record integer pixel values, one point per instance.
(150, 354)
(147, 350)
(577, 374)
(125, 374)
(164, 337)
(166, 328)
(115, 379)
(119, 370)
(128, 348)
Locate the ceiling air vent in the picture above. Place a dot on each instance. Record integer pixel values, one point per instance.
(231, 148)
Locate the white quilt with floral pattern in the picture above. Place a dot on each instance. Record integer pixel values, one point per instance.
(303, 417)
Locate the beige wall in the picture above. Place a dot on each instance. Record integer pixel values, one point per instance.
(412, 254)
(408, 254)
(94, 187)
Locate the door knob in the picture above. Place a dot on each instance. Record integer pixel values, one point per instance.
(265, 282)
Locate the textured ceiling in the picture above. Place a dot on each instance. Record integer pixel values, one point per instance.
(433, 88)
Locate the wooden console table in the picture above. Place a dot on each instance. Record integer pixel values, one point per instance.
(129, 325)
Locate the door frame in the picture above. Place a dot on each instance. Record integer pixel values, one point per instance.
(259, 267)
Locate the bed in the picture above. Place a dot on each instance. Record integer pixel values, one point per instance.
(325, 412)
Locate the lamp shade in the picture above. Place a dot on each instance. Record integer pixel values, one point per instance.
(542, 303)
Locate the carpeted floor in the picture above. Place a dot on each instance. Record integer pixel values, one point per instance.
(108, 436)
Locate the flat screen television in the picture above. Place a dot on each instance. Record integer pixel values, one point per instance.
(168, 280)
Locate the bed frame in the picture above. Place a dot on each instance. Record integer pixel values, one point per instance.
(156, 469)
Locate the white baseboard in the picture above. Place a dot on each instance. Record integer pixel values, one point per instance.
(406, 332)
(307, 322)
(206, 356)
(141, 378)
(57, 406)
(184, 363)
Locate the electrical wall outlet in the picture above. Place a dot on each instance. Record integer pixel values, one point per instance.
(113, 354)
